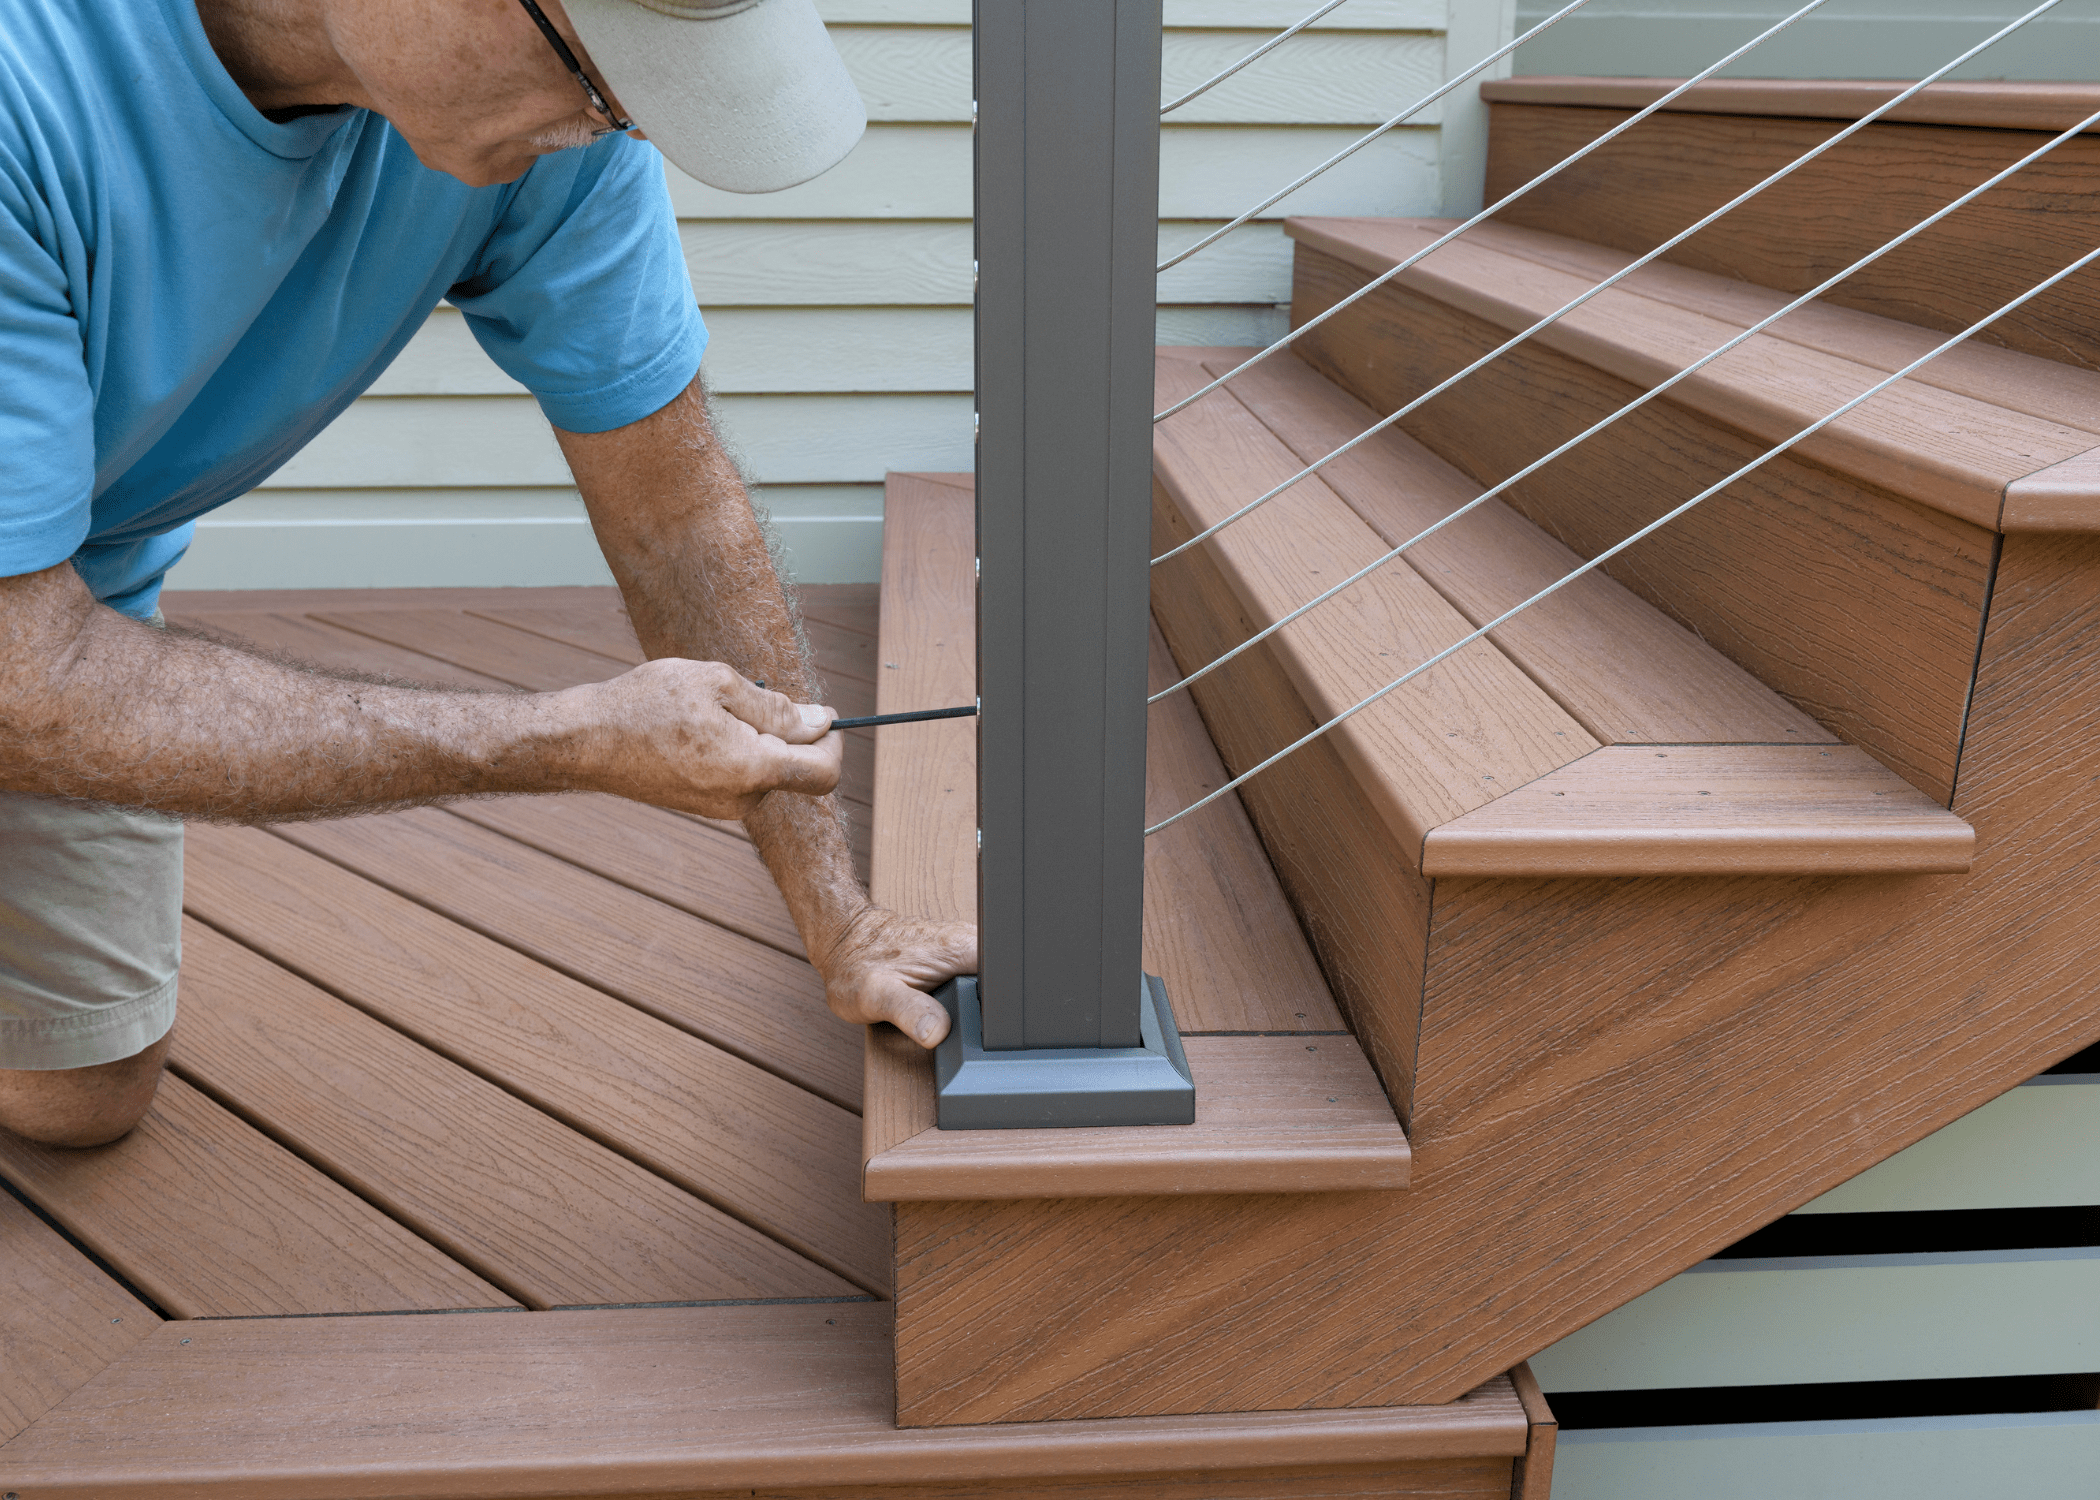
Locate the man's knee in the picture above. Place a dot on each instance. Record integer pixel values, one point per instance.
(81, 1106)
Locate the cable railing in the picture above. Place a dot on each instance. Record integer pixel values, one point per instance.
(1589, 294)
(1602, 287)
(1369, 136)
(1478, 219)
(1651, 394)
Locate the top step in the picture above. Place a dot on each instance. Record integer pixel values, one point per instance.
(1726, 135)
(1991, 436)
(1993, 105)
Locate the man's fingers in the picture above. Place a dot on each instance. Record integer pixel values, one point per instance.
(914, 1012)
(811, 770)
(775, 713)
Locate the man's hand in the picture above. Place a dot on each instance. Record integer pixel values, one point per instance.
(879, 967)
(695, 735)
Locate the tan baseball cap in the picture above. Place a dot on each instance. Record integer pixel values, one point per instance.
(746, 95)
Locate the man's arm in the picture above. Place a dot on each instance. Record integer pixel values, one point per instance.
(98, 706)
(672, 515)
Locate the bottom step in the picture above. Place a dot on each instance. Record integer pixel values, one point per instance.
(693, 1401)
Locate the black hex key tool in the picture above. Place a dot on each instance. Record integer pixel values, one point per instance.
(871, 721)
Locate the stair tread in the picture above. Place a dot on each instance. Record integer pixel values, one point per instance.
(1985, 103)
(1628, 672)
(1444, 744)
(1700, 768)
(1932, 445)
(1708, 810)
(2024, 383)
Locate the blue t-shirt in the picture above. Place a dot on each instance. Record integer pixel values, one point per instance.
(189, 292)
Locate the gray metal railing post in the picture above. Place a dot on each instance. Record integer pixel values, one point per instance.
(1063, 1027)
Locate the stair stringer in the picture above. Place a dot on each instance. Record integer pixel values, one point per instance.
(1614, 1079)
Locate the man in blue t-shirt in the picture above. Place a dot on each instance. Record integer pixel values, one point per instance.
(219, 221)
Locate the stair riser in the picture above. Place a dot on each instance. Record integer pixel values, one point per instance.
(1672, 169)
(1361, 901)
(1881, 652)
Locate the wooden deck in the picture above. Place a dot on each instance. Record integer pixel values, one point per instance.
(550, 1053)
(562, 1059)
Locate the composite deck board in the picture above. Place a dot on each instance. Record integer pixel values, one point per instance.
(211, 1218)
(659, 1402)
(756, 1146)
(494, 650)
(61, 1319)
(677, 860)
(310, 640)
(741, 995)
(554, 1218)
(1628, 672)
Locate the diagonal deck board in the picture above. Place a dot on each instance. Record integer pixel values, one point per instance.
(310, 640)
(755, 1145)
(61, 1320)
(554, 1218)
(689, 865)
(211, 1218)
(739, 994)
(306, 1158)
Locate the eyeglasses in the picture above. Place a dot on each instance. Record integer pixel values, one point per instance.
(617, 124)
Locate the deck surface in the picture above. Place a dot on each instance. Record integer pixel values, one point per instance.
(535, 1053)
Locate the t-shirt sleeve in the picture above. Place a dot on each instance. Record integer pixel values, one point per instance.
(582, 293)
(47, 411)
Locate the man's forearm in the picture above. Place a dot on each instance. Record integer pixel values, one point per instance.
(677, 527)
(101, 707)
(96, 706)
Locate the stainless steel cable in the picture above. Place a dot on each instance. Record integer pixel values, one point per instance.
(1606, 285)
(1364, 140)
(1601, 558)
(1632, 406)
(1558, 167)
(1255, 56)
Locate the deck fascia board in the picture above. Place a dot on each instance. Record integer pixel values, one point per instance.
(506, 1407)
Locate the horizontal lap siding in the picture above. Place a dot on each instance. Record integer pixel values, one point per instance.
(1895, 1317)
(840, 310)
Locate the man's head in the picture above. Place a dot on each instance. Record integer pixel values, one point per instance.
(748, 95)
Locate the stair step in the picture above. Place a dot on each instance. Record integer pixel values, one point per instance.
(1286, 1101)
(1629, 673)
(1995, 105)
(1938, 446)
(1707, 810)
(1665, 806)
(1861, 606)
(1726, 136)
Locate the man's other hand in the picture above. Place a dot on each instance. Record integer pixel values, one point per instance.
(695, 735)
(880, 966)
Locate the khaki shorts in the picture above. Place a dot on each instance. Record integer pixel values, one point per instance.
(90, 931)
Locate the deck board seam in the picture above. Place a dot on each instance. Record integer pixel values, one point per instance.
(576, 976)
(233, 1106)
(616, 1147)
